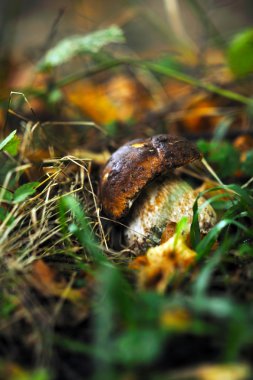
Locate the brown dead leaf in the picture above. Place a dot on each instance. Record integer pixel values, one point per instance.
(129, 96)
(98, 158)
(214, 57)
(243, 143)
(177, 89)
(12, 371)
(208, 185)
(168, 232)
(37, 155)
(217, 69)
(201, 114)
(44, 279)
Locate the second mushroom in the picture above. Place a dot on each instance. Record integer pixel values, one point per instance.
(139, 185)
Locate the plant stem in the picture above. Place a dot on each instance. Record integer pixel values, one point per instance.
(161, 70)
(150, 66)
(86, 73)
(197, 83)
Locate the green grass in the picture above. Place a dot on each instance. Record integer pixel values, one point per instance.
(108, 328)
(124, 329)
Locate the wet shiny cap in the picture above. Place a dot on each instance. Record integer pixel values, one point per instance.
(137, 163)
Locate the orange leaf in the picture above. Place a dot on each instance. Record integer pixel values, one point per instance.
(200, 114)
(118, 99)
(92, 101)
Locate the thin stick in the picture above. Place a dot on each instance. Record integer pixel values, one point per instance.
(196, 82)
(77, 123)
(247, 183)
(9, 110)
(211, 171)
(175, 21)
(25, 98)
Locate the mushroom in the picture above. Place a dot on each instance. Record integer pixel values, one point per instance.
(139, 184)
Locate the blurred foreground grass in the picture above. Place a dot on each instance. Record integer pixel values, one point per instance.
(71, 306)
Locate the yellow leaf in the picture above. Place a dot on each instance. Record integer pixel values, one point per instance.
(162, 262)
(223, 372)
(235, 371)
(174, 250)
(177, 319)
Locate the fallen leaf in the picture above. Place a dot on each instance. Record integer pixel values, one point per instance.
(168, 232)
(98, 158)
(208, 185)
(223, 372)
(44, 279)
(160, 263)
(92, 101)
(173, 249)
(236, 371)
(200, 114)
(13, 371)
(243, 143)
(176, 319)
(119, 99)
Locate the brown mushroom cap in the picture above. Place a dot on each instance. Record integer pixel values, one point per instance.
(135, 164)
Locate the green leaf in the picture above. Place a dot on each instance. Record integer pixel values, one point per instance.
(72, 46)
(202, 281)
(225, 157)
(247, 165)
(245, 249)
(10, 144)
(39, 374)
(7, 305)
(7, 195)
(169, 62)
(222, 128)
(7, 165)
(240, 53)
(195, 235)
(220, 307)
(138, 346)
(24, 191)
(205, 245)
(80, 227)
(54, 96)
(181, 228)
(244, 195)
(3, 214)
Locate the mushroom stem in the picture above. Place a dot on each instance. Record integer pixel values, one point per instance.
(164, 201)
